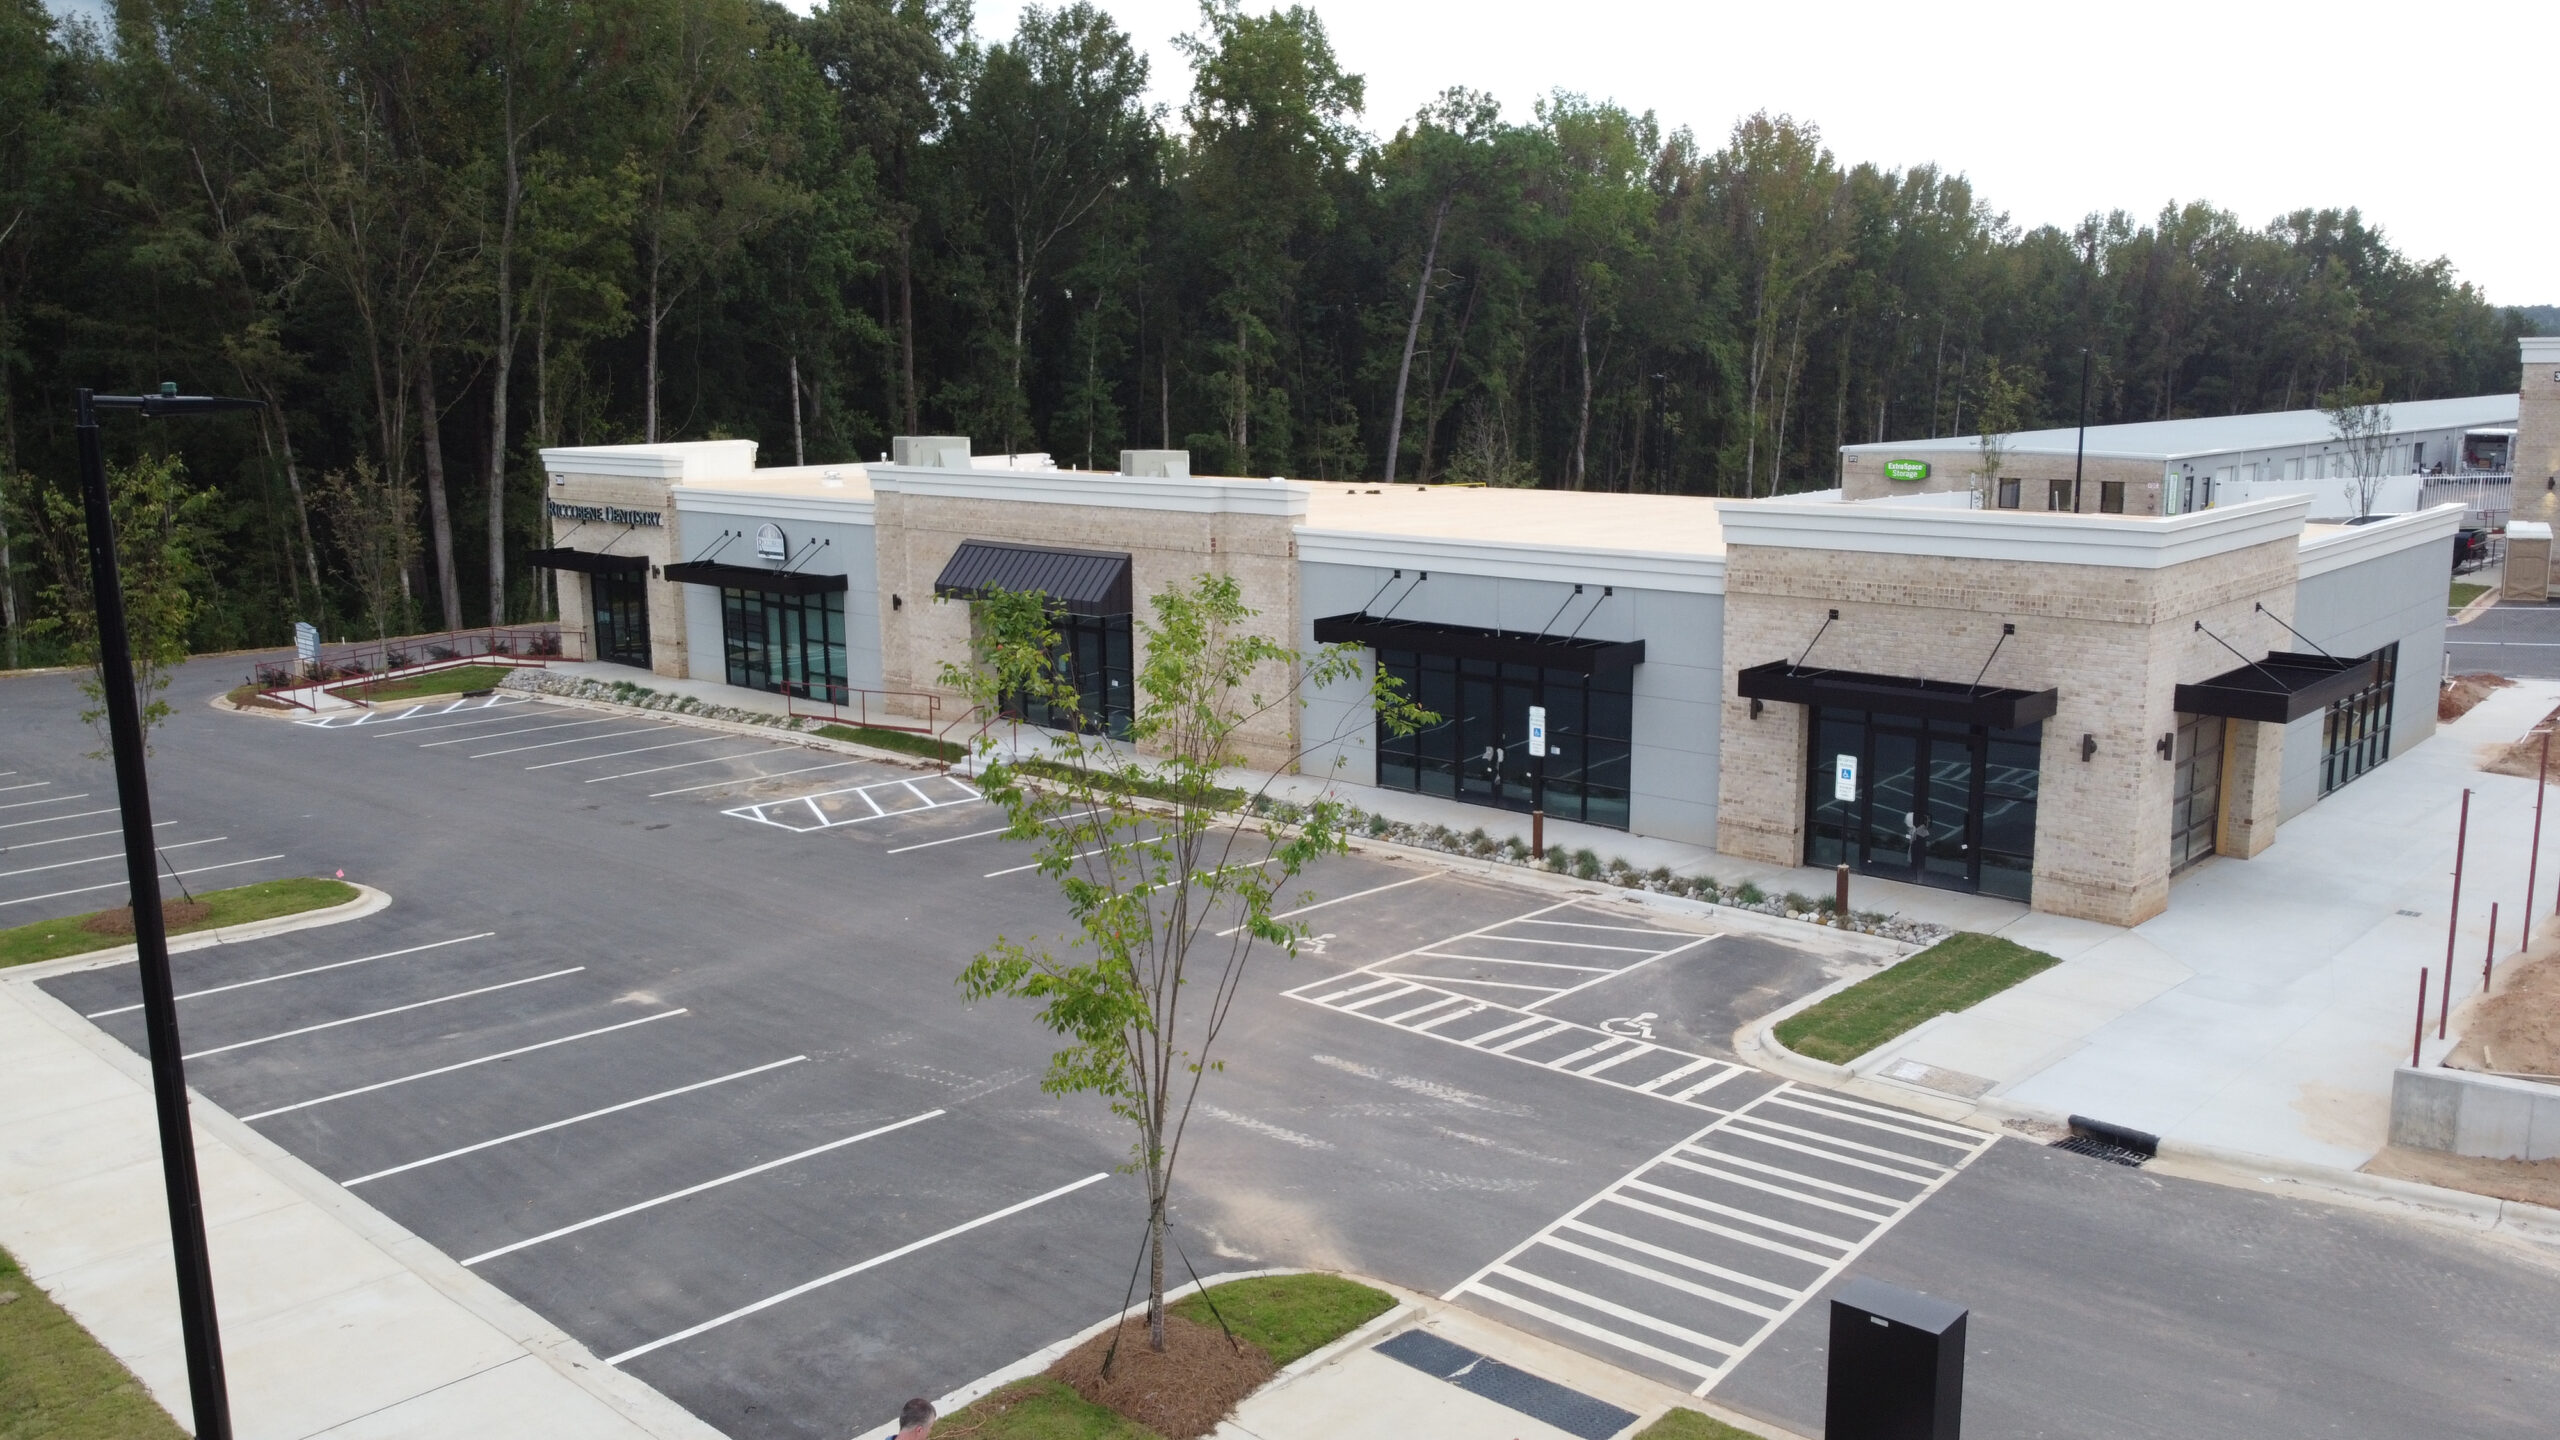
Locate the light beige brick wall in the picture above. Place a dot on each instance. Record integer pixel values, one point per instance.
(2252, 787)
(660, 543)
(2538, 424)
(1862, 478)
(2113, 642)
(918, 533)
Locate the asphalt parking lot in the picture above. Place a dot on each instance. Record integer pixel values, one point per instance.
(660, 1036)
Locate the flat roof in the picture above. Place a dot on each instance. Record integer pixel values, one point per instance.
(2166, 440)
(840, 482)
(1579, 519)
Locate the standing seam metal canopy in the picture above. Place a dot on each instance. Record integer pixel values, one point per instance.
(1080, 582)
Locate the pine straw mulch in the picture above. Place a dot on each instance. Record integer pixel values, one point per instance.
(2462, 692)
(1181, 1394)
(173, 913)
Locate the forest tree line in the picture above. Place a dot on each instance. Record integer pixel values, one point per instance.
(439, 235)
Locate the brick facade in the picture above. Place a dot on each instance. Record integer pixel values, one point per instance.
(660, 543)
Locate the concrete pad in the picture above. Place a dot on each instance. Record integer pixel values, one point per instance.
(1363, 1395)
(519, 1400)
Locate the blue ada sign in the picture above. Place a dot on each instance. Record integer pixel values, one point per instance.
(1844, 777)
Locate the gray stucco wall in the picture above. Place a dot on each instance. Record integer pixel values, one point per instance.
(847, 550)
(1673, 786)
(2399, 597)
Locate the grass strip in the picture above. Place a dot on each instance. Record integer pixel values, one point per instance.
(905, 742)
(433, 682)
(1038, 1409)
(1288, 1316)
(1691, 1425)
(266, 900)
(2463, 593)
(1112, 783)
(59, 1382)
(1957, 973)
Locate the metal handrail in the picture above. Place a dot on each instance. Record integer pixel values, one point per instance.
(797, 692)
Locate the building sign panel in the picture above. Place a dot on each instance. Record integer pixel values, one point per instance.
(1538, 730)
(771, 545)
(604, 514)
(306, 641)
(1844, 777)
(1906, 469)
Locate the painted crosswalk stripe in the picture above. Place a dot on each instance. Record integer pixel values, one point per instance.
(1403, 1015)
(1533, 1037)
(1621, 1058)
(1658, 1081)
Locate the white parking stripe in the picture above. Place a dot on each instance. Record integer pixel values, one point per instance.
(911, 1247)
(762, 775)
(1499, 960)
(67, 839)
(1658, 1081)
(1383, 997)
(953, 840)
(1354, 990)
(572, 740)
(461, 724)
(51, 800)
(618, 754)
(95, 859)
(528, 730)
(672, 1196)
(1534, 1036)
(297, 974)
(30, 785)
(1585, 1053)
(1621, 1058)
(1612, 975)
(1445, 1000)
(459, 1065)
(378, 1014)
(680, 765)
(1505, 1030)
(1339, 899)
(545, 1129)
(1475, 1008)
(119, 884)
(58, 819)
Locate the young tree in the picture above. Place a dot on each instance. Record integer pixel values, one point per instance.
(2362, 425)
(374, 521)
(1170, 898)
(161, 529)
(2002, 402)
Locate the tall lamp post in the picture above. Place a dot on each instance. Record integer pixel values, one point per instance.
(207, 1391)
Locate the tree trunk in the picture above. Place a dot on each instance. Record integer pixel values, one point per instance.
(8, 471)
(439, 518)
(1582, 420)
(1412, 333)
(1448, 377)
(907, 328)
(505, 361)
(1164, 401)
(1013, 401)
(649, 365)
(1243, 434)
(799, 443)
(1155, 1266)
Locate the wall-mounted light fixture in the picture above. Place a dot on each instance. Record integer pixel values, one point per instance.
(897, 602)
(1755, 707)
(2088, 747)
(2168, 745)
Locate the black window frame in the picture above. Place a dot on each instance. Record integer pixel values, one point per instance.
(2355, 732)
(767, 643)
(618, 602)
(2009, 494)
(1587, 773)
(1097, 656)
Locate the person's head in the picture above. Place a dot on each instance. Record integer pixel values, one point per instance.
(915, 1419)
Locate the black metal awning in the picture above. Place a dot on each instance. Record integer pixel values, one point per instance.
(750, 577)
(1080, 582)
(588, 562)
(1468, 642)
(2280, 689)
(1988, 705)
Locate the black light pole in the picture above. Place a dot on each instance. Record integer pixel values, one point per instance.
(207, 1392)
(2080, 447)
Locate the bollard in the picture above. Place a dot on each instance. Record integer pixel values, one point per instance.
(1538, 835)
(2453, 920)
(1840, 896)
(2419, 1037)
(2491, 959)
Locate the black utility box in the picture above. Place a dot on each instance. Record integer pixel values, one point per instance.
(1897, 1365)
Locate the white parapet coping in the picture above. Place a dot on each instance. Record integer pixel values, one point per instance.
(1687, 573)
(679, 461)
(1189, 494)
(2138, 542)
(2354, 544)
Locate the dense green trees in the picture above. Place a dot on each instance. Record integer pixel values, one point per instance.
(441, 234)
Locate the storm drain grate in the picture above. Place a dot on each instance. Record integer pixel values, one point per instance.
(1568, 1410)
(2097, 1149)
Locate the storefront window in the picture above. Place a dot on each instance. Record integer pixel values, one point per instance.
(1478, 751)
(2356, 735)
(1094, 657)
(788, 644)
(1932, 802)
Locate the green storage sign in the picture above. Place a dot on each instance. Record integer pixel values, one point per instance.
(1906, 469)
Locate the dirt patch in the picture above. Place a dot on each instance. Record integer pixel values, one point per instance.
(173, 913)
(2517, 1029)
(2535, 1182)
(1180, 1394)
(2523, 759)
(2464, 691)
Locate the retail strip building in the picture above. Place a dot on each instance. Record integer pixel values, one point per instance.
(2064, 708)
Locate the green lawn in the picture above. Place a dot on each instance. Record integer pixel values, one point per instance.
(905, 742)
(1691, 1425)
(57, 1382)
(1039, 1409)
(433, 682)
(1957, 973)
(2464, 593)
(1288, 1316)
(53, 939)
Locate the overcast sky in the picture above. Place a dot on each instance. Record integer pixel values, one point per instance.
(2422, 116)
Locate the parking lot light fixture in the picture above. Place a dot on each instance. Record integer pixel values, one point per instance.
(207, 1392)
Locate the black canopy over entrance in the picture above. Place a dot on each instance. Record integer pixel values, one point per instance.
(1468, 642)
(1080, 582)
(2280, 689)
(588, 562)
(750, 577)
(1986, 705)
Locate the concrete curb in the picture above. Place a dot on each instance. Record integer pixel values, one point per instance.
(2479, 606)
(652, 1413)
(805, 739)
(368, 901)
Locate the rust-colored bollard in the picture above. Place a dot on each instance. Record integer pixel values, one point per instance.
(1840, 897)
(2419, 1040)
(1538, 835)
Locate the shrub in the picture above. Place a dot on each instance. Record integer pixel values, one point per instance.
(1586, 865)
(442, 652)
(395, 659)
(1556, 858)
(1750, 894)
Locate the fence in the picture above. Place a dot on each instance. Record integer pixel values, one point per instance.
(497, 644)
(856, 708)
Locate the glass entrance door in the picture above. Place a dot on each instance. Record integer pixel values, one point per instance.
(2195, 794)
(1932, 802)
(621, 617)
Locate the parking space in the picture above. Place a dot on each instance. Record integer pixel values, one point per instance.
(1685, 1264)
(62, 851)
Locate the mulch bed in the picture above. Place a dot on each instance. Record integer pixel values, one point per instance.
(1181, 1394)
(2462, 692)
(173, 913)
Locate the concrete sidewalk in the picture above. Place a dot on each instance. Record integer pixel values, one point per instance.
(335, 1321)
(2264, 1011)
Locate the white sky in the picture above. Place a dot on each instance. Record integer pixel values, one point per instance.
(2421, 116)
